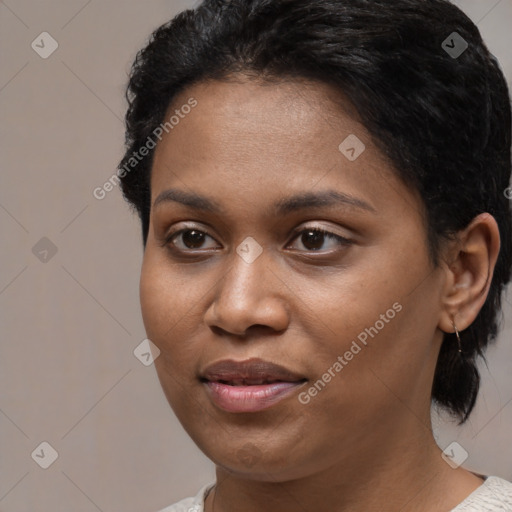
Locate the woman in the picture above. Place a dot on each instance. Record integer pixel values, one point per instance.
(322, 187)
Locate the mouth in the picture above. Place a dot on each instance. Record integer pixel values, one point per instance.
(249, 386)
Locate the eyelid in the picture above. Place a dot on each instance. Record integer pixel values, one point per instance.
(166, 238)
(320, 228)
(342, 240)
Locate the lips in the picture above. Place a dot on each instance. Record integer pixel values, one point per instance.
(249, 372)
(249, 386)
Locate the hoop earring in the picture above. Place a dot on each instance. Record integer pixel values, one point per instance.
(458, 337)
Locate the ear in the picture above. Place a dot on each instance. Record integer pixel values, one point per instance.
(469, 269)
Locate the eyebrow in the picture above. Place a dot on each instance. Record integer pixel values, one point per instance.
(281, 207)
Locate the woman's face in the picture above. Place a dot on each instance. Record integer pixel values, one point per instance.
(353, 319)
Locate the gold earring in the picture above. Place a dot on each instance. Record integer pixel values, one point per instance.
(458, 337)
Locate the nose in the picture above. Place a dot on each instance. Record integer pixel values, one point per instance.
(249, 296)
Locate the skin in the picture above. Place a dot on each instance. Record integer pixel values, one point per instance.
(365, 441)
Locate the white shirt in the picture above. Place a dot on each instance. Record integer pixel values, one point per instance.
(494, 495)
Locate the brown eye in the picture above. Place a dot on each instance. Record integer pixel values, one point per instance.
(314, 238)
(193, 238)
(311, 239)
(190, 239)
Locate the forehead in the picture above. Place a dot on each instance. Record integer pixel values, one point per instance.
(250, 138)
(295, 109)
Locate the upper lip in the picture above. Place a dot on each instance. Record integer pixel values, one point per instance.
(254, 369)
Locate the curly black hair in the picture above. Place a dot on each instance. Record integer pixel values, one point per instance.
(423, 82)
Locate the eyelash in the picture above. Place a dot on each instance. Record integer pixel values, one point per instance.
(170, 237)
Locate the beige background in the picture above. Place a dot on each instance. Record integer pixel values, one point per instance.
(69, 325)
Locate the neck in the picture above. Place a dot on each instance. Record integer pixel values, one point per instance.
(403, 471)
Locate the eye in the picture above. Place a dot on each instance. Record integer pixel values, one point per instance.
(192, 239)
(313, 238)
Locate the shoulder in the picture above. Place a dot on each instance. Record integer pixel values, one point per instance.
(193, 504)
(494, 495)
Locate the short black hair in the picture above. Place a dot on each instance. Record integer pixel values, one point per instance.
(424, 84)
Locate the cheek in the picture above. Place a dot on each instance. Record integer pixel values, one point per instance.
(171, 311)
(164, 295)
(153, 299)
(382, 328)
(162, 307)
(164, 314)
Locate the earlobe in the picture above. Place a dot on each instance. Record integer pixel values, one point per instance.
(470, 273)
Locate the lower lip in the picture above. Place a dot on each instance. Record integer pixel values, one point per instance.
(249, 398)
